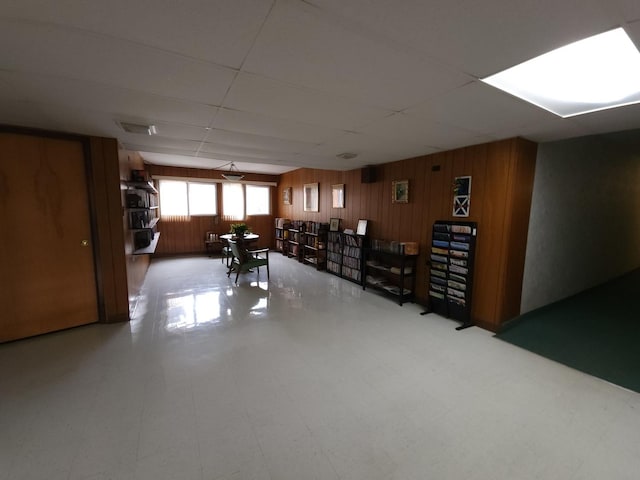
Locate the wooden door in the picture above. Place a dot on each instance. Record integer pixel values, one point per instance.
(47, 272)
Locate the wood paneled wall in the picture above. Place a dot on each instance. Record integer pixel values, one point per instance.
(112, 271)
(187, 237)
(502, 180)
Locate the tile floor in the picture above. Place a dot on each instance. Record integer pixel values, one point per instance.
(303, 377)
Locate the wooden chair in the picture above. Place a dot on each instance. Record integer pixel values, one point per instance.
(243, 260)
(226, 253)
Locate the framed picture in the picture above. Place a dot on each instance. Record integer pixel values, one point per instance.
(362, 227)
(286, 196)
(334, 225)
(461, 196)
(400, 191)
(337, 195)
(311, 197)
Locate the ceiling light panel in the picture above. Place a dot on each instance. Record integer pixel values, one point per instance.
(596, 73)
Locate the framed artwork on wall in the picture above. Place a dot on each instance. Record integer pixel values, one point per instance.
(461, 196)
(362, 227)
(400, 191)
(311, 197)
(337, 195)
(286, 196)
(334, 225)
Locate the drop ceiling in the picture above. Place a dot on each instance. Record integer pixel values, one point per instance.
(279, 85)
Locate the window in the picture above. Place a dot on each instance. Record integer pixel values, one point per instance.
(233, 201)
(258, 200)
(202, 198)
(173, 198)
(182, 198)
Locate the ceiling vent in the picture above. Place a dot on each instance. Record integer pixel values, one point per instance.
(139, 129)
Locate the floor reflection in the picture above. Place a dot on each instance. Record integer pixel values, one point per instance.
(193, 310)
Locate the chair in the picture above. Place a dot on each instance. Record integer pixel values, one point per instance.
(212, 243)
(244, 260)
(226, 253)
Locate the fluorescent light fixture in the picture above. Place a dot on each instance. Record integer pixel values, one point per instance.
(596, 73)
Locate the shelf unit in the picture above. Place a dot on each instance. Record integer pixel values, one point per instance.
(392, 273)
(282, 226)
(295, 240)
(345, 253)
(141, 207)
(314, 250)
(451, 270)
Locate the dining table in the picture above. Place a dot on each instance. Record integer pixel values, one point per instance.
(248, 238)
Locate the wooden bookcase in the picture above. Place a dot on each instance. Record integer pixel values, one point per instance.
(314, 251)
(345, 255)
(295, 240)
(391, 272)
(282, 226)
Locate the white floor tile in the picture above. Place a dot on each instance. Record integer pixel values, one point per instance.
(302, 377)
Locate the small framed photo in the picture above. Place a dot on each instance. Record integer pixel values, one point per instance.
(400, 191)
(286, 196)
(334, 225)
(337, 195)
(362, 227)
(311, 197)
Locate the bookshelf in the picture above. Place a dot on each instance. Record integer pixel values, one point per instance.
(282, 226)
(390, 271)
(345, 254)
(314, 250)
(295, 240)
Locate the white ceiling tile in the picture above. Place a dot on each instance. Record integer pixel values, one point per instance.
(257, 124)
(25, 114)
(478, 107)
(149, 142)
(252, 93)
(371, 149)
(209, 163)
(62, 93)
(386, 80)
(218, 31)
(557, 129)
(257, 141)
(139, 147)
(623, 118)
(175, 130)
(80, 55)
(301, 46)
(219, 148)
(479, 38)
(418, 132)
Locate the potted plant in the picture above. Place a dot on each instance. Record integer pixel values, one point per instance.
(239, 229)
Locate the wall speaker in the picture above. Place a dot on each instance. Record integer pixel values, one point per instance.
(368, 175)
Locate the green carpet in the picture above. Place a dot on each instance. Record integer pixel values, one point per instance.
(596, 331)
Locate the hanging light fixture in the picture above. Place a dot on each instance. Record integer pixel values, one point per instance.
(233, 174)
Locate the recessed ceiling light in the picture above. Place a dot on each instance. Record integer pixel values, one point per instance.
(347, 155)
(596, 73)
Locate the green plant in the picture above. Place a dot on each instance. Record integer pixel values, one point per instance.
(239, 229)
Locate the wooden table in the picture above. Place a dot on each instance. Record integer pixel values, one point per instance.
(248, 238)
